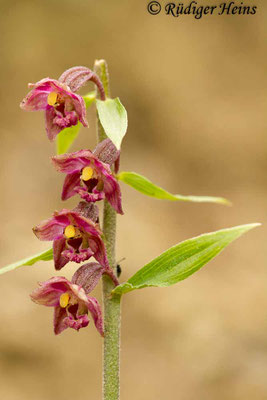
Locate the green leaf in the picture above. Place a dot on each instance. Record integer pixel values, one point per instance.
(145, 186)
(113, 118)
(66, 137)
(44, 256)
(182, 260)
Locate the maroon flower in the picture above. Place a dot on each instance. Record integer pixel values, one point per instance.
(71, 303)
(58, 98)
(76, 237)
(63, 107)
(89, 177)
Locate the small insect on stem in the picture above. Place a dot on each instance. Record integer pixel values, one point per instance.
(118, 267)
(118, 270)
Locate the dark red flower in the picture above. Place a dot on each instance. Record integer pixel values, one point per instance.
(76, 238)
(89, 177)
(71, 304)
(63, 108)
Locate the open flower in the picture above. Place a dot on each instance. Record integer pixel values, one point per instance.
(71, 304)
(89, 177)
(76, 238)
(58, 98)
(62, 107)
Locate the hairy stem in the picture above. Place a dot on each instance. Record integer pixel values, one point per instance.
(111, 354)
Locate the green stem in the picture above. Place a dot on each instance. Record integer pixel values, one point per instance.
(111, 354)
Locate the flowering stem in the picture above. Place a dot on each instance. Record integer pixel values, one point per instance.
(111, 356)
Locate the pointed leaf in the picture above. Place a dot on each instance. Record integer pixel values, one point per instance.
(44, 256)
(66, 137)
(145, 186)
(113, 118)
(182, 260)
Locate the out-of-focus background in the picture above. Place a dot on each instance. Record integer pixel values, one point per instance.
(194, 92)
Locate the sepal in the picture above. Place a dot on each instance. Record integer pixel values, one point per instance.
(88, 276)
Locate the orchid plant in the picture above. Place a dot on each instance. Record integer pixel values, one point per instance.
(77, 234)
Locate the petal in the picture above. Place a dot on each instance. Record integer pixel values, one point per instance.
(78, 293)
(96, 244)
(111, 187)
(50, 229)
(71, 182)
(73, 162)
(88, 276)
(79, 106)
(35, 100)
(52, 129)
(50, 85)
(95, 310)
(86, 224)
(63, 216)
(49, 292)
(60, 315)
(113, 193)
(58, 247)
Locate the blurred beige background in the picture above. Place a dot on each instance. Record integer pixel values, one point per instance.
(194, 92)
